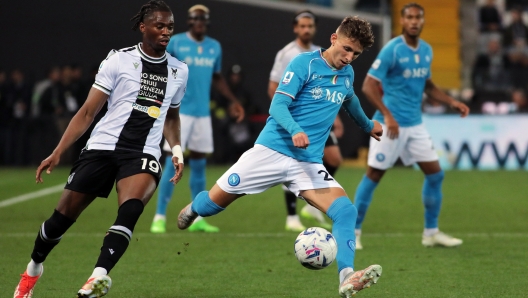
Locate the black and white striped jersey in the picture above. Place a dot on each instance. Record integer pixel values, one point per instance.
(141, 89)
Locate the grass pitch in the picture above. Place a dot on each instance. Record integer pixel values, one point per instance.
(252, 256)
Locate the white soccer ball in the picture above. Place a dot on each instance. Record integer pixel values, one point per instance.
(315, 248)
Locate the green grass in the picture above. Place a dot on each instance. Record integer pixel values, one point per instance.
(252, 255)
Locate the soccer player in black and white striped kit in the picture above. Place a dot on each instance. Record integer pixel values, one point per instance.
(143, 86)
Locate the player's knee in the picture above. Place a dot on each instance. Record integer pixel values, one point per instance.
(375, 174)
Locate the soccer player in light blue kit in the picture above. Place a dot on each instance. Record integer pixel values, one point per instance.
(403, 71)
(203, 56)
(289, 149)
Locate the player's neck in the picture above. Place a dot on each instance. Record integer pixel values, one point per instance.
(150, 51)
(327, 57)
(411, 41)
(196, 36)
(303, 45)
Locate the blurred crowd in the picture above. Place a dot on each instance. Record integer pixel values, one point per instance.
(500, 71)
(35, 113)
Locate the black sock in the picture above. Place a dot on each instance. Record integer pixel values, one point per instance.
(291, 202)
(119, 235)
(49, 235)
(331, 169)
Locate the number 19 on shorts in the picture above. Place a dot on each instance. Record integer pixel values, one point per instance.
(153, 165)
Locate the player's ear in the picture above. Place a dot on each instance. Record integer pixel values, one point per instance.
(333, 38)
(142, 27)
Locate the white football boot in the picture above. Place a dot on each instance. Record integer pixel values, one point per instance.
(440, 239)
(359, 280)
(359, 246)
(293, 224)
(95, 287)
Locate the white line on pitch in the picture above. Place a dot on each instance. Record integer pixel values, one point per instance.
(31, 195)
(270, 235)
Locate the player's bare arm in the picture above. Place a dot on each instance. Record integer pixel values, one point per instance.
(436, 94)
(371, 88)
(339, 129)
(171, 132)
(76, 128)
(235, 110)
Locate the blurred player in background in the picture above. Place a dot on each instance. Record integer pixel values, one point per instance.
(403, 71)
(289, 149)
(203, 56)
(304, 27)
(123, 148)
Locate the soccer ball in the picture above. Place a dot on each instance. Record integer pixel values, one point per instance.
(315, 248)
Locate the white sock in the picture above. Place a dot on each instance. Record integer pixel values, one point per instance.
(343, 273)
(98, 271)
(357, 232)
(290, 218)
(159, 216)
(34, 269)
(430, 232)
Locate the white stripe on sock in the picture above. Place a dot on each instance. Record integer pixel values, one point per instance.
(122, 229)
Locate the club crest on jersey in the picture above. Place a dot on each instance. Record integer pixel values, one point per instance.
(152, 111)
(287, 77)
(174, 72)
(317, 92)
(347, 83)
(233, 179)
(135, 65)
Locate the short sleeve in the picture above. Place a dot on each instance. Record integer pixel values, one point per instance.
(218, 61)
(278, 68)
(176, 100)
(294, 78)
(106, 78)
(382, 64)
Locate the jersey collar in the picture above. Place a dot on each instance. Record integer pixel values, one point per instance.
(149, 58)
(321, 50)
(405, 42)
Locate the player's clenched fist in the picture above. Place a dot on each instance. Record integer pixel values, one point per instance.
(377, 130)
(300, 140)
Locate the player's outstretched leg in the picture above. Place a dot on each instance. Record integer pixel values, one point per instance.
(432, 200)
(293, 223)
(310, 212)
(343, 215)
(165, 191)
(362, 201)
(197, 183)
(49, 235)
(201, 206)
(114, 246)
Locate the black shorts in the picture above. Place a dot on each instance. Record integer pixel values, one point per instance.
(96, 170)
(332, 140)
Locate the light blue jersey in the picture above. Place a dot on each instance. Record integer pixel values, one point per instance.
(317, 91)
(204, 59)
(402, 71)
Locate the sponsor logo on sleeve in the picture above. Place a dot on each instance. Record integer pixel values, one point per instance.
(376, 64)
(287, 77)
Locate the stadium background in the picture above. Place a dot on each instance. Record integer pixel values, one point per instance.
(252, 256)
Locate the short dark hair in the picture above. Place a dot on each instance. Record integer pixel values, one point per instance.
(357, 28)
(147, 9)
(302, 14)
(409, 5)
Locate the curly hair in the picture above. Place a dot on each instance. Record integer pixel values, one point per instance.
(357, 28)
(147, 9)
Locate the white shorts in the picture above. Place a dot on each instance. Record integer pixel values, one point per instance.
(196, 134)
(412, 145)
(260, 168)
